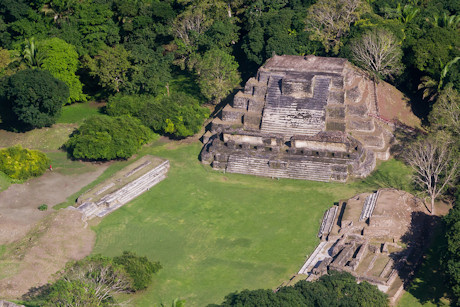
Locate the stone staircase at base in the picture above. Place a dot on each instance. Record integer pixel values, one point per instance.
(307, 170)
(115, 200)
(328, 221)
(312, 260)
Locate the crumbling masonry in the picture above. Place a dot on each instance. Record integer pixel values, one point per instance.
(310, 118)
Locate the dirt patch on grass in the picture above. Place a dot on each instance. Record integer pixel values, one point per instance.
(31, 262)
(18, 204)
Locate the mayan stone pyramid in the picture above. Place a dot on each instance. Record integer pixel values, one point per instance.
(311, 118)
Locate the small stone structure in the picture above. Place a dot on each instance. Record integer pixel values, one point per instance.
(376, 237)
(123, 187)
(310, 118)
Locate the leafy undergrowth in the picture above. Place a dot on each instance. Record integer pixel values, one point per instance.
(215, 233)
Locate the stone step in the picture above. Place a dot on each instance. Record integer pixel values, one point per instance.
(300, 170)
(311, 261)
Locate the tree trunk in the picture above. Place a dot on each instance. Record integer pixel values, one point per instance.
(432, 205)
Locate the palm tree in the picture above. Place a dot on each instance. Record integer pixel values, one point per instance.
(446, 21)
(431, 87)
(407, 13)
(31, 54)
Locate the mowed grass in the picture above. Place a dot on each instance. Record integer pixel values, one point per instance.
(78, 112)
(429, 287)
(216, 233)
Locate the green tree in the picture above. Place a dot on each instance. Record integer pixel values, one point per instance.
(62, 62)
(33, 56)
(22, 163)
(178, 114)
(329, 21)
(445, 115)
(32, 99)
(110, 67)
(108, 138)
(139, 268)
(217, 74)
(151, 70)
(333, 290)
(5, 60)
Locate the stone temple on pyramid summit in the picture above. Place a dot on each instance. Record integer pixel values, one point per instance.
(307, 117)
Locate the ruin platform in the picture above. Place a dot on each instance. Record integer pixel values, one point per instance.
(377, 237)
(122, 187)
(309, 118)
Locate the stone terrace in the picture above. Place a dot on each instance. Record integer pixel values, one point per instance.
(375, 237)
(123, 187)
(301, 117)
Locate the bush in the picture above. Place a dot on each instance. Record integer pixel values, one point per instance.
(335, 289)
(21, 163)
(140, 269)
(178, 114)
(108, 138)
(43, 207)
(32, 99)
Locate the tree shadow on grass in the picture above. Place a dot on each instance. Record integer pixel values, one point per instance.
(426, 243)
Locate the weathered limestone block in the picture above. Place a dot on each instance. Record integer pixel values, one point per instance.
(238, 138)
(240, 101)
(337, 83)
(336, 112)
(230, 114)
(336, 98)
(263, 76)
(354, 94)
(360, 110)
(249, 87)
(260, 90)
(335, 126)
(251, 119)
(255, 105)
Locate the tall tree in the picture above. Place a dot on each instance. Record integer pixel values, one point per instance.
(446, 112)
(62, 62)
(33, 99)
(217, 74)
(379, 53)
(328, 21)
(435, 163)
(110, 67)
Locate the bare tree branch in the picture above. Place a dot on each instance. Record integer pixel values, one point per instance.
(435, 165)
(379, 53)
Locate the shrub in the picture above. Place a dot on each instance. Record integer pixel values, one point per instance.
(108, 138)
(21, 163)
(140, 269)
(32, 99)
(178, 114)
(43, 207)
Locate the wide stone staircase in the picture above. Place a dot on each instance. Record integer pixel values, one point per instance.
(290, 116)
(115, 200)
(307, 170)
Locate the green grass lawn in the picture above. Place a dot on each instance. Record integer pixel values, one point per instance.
(215, 233)
(77, 112)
